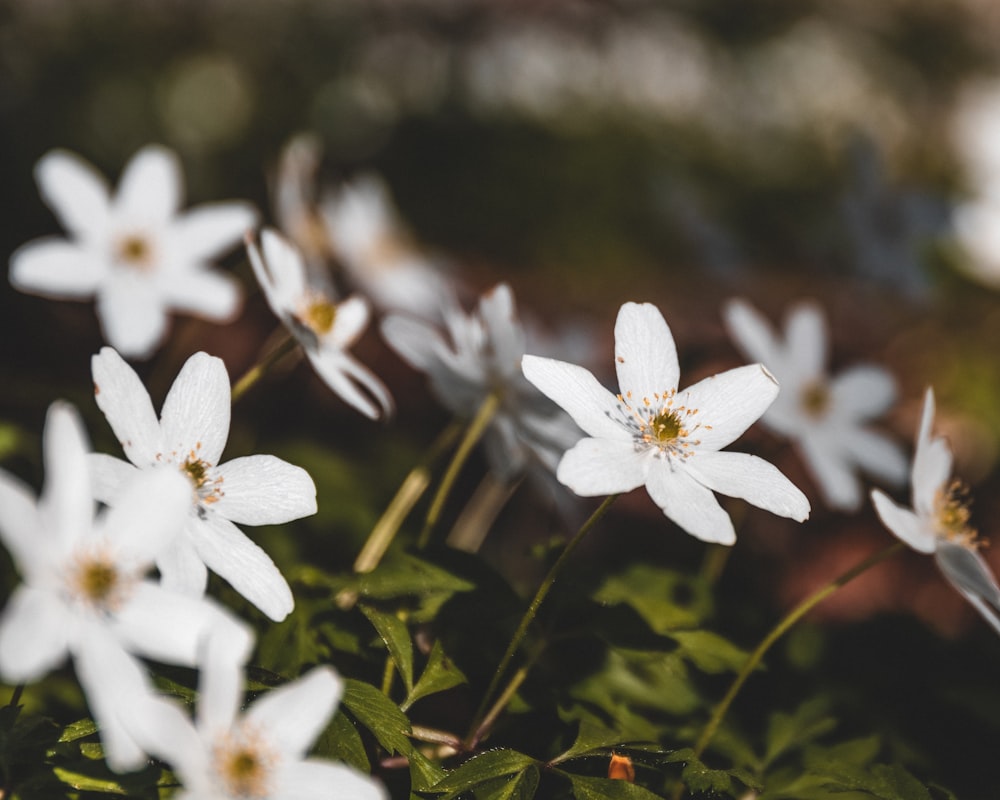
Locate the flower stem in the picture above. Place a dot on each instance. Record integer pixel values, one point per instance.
(258, 370)
(473, 434)
(490, 717)
(409, 492)
(15, 696)
(536, 601)
(777, 632)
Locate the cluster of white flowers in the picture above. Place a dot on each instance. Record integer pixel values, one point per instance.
(174, 505)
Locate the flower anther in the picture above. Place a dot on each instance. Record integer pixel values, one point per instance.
(135, 250)
(95, 581)
(658, 423)
(815, 399)
(245, 763)
(951, 516)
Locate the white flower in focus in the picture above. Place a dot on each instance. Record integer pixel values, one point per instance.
(378, 256)
(189, 438)
(938, 523)
(668, 440)
(261, 753)
(324, 327)
(133, 251)
(826, 417)
(481, 355)
(84, 593)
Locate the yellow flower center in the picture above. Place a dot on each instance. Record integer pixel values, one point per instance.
(135, 251)
(951, 516)
(207, 488)
(97, 582)
(318, 316)
(815, 398)
(245, 763)
(661, 424)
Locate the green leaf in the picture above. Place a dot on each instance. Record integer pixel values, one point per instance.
(88, 783)
(78, 729)
(399, 575)
(788, 731)
(585, 788)
(665, 599)
(637, 678)
(519, 786)
(397, 639)
(342, 742)
(700, 778)
(709, 652)
(379, 714)
(439, 674)
(488, 765)
(424, 773)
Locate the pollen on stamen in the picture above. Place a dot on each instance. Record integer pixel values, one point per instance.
(97, 582)
(245, 764)
(952, 514)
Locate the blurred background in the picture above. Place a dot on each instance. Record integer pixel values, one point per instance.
(589, 153)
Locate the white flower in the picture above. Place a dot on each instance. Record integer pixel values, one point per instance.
(481, 355)
(668, 440)
(379, 258)
(939, 521)
(324, 327)
(84, 595)
(261, 753)
(826, 417)
(133, 252)
(189, 437)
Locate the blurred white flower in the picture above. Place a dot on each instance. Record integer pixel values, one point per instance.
(189, 437)
(379, 258)
(84, 594)
(653, 434)
(479, 356)
(325, 328)
(826, 417)
(294, 199)
(939, 521)
(261, 753)
(134, 252)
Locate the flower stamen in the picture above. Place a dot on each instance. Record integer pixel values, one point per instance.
(815, 398)
(96, 581)
(951, 516)
(135, 250)
(245, 764)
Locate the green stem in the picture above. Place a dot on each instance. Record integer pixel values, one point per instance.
(409, 492)
(490, 717)
(778, 631)
(258, 370)
(536, 601)
(477, 427)
(15, 697)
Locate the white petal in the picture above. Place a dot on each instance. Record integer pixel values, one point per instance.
(966, 570)
(314, 779)
(579, 393)
(904, 524)
(164, 730)
(66, 501)
(595, 467)
(75, 191)
(246, 567)
(876, 454)
(195, 416)
(288, 278)
(645, 354)
(220, 685)
(295, 714)
(831, 469)
(126, 405)
(181, 568)
(750, 478)
(729, 403)
(211, 294)
(150, 187)
(503, 328)
(109, 475)
(21, 526)
(931, 463)
(416, 342)
(207, 231)
(753, 335)
(149, 514)
(264, 490)
(56, 268)
(35, 632)
(805, 338)
(132, 314)
(689, 504)
(174, 628)
(354, 383)
(348, 323)
(862, 392)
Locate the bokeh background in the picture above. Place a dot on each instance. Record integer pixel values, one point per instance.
(589, 153)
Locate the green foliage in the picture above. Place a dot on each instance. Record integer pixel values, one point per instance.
(439, 675)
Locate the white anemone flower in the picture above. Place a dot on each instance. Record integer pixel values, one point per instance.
(134, 252)
(938, 523)
(84, 593)
(668, 440)
(481, 355)
(827, 417)
(189, 437)
(377, 254)
(324, 327)
(260, 753)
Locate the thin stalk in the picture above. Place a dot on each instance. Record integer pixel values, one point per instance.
(477, 427)
(778, 631)
(536, 601)
(491, 716)
(15, 696)
(258, 370)
(409, 492)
